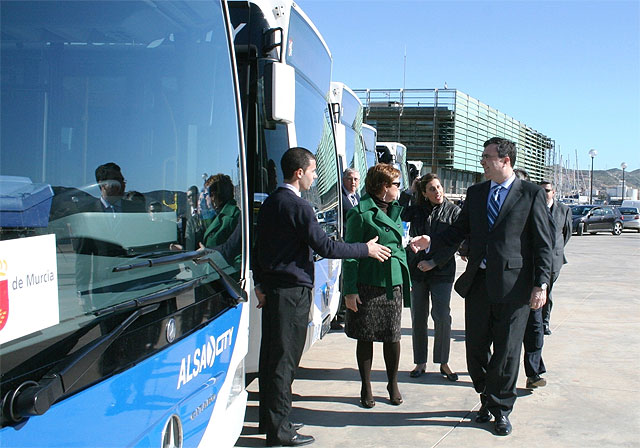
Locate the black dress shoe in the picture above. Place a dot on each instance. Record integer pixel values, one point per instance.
(450, 376)
(335, 325)
(484, 415)
(417, 373)
(503, 426)
(297, 440)
(547, 330)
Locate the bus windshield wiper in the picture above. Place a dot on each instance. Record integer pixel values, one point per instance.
(200, 256)
(36, 397)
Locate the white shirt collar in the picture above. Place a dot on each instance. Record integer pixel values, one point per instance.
(290, 187)
(506, 184)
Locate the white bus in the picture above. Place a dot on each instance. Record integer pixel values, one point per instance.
(284, 66)
(347, 117)
(370, 137)
(394, 153)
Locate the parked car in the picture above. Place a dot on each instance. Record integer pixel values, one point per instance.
(630, 218)
(594, 219)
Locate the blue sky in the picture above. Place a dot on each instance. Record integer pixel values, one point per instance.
(569, 69)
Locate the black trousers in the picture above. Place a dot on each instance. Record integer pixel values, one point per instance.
(501, 325)
(533, 342)
(284, 327)
(546, 309)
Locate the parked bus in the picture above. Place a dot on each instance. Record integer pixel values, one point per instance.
(111, 333)
(370, 137)
(347, 117)
(394, 153)
(284, 67)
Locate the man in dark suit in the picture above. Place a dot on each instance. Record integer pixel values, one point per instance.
(507, 274)
(92, 270)
(350, 198)
(561, 215)
(283, 272)
(350, 195)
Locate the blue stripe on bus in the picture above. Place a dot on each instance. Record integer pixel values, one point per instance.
(132, 407)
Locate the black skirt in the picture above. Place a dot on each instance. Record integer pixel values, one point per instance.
(378, 318)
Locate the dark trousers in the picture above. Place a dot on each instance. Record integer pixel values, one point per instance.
(533, 342)
(284, 326)
(499, 324)
(546, 309)
(440, 293)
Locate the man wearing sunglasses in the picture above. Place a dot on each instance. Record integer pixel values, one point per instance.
(561, 215)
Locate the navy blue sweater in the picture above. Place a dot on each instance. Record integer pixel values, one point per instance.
(287, 233)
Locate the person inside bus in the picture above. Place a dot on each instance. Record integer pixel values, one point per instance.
(374, 292)
(90, 272)
(283, 269)
(219, 229)
(432, 213)
(194, 229)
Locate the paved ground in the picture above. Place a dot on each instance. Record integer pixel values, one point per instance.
(592, 357)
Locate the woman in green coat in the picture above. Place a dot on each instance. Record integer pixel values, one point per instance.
(220, 228)
(374, 291)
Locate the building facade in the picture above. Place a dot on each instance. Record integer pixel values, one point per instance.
(445, 129)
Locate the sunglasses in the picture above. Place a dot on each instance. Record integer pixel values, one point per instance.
(397, 184)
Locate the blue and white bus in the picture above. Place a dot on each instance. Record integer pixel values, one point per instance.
(284, 67)
(111, 332)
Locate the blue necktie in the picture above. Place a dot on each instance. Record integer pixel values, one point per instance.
(493, 205)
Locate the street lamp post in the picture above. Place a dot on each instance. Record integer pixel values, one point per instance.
(593, 153)
(624, 167)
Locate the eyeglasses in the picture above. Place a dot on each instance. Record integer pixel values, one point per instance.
(397, 184)
(548, 191)
(487, 156)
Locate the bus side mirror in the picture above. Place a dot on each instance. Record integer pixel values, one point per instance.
(280, 92)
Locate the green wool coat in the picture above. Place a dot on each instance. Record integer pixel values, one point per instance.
(220, 229)
(364, 222)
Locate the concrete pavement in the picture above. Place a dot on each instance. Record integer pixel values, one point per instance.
(593, 360)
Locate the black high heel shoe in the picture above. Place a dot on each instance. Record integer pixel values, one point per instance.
(395, 400)
(450, 376)
(366, 400)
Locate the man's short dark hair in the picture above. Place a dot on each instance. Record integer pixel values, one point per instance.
(108, 171)
(505, 148)
(542, 183)
(294, 159)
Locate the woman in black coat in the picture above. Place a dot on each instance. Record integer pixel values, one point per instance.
(431, 214)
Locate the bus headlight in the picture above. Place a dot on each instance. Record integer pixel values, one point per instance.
(237, 386)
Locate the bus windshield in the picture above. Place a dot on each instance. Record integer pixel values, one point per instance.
(313, 126)
(113, 114)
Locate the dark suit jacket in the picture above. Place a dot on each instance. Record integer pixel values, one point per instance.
(288, 231)
(562, 219)
(346, 204)
(517, 249)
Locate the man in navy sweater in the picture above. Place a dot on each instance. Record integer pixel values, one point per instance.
(287, 233)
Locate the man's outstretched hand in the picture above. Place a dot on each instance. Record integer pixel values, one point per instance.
(378, 251)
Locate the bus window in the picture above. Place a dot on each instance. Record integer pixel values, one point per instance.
(111, 113)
